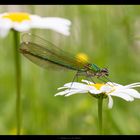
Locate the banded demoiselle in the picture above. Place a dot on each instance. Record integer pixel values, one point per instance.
(45, 53)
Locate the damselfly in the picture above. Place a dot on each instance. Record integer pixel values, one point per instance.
(44, 54)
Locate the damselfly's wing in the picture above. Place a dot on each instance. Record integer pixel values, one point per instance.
(44, 53)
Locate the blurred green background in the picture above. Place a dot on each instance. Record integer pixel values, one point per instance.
(108, 35)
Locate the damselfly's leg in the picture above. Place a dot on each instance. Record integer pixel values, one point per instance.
(92, 80)
(102, 80)
(109, 80)
(105, 80)
(75, 76)
(89, 77)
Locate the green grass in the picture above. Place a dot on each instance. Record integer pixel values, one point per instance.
(107, 35)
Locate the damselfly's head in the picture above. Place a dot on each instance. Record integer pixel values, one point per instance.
(105, 71)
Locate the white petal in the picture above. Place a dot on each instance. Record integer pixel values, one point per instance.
(3, 14)
(36, 21)
(76, 92)
(128, 86)
(68, 85)
(110, 102)
(61, 88)
(113, 84)
(60, 25)
(122, 95)
(95, 91)
(62, 92)
(69, 92)
(5, 26)
(58, 20)
(4, 32)
(132, 92)
(106, 88)
(21, 27)
(76, 85)
(133, 85)
(5, 23)
(86, 81)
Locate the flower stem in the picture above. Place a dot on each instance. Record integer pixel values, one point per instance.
(18, 80)
(100, 102)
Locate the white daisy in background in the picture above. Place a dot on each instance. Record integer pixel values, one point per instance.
(96, 89)
(21, 22)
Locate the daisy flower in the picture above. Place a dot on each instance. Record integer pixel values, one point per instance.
(21, 21)
(108, 90)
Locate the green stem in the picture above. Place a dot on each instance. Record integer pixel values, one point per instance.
(100, 102)
(18, 80)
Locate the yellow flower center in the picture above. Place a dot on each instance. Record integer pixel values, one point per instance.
(97, 85)
(82, 57)
(17, 17)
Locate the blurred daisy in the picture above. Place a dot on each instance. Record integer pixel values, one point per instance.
(107, 90)
(21, 21)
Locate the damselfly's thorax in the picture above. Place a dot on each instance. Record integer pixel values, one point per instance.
(93, 70)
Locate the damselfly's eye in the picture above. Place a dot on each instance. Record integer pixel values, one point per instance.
(105, 70)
